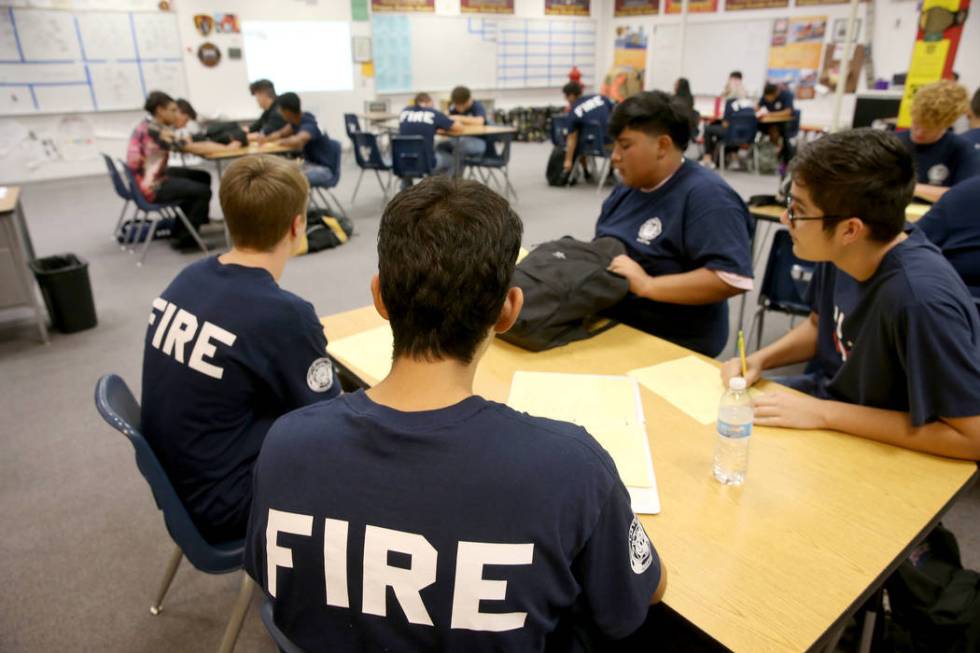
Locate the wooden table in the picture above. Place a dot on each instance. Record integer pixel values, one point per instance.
(17, 290)
(267, 148)
(375, 117)
(779, 563)
(770, 119)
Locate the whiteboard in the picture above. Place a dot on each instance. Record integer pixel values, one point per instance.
(54, 61)
(464, 53)
(664, 64)
(746, 49)
(275, 49)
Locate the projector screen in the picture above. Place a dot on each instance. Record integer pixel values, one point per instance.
(299, 56)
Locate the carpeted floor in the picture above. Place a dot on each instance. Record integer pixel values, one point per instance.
(83, 547)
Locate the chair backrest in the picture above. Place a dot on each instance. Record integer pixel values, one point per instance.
(279, 637)
(117, 181)
(793, 128)
(592, 140)
(786, 278)
(366, 151)
(351, 124)
(741, 129)
(409, 157)
(119, 409)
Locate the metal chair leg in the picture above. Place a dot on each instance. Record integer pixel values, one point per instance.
(187, 223)
(238, 613)
(384, 189)
(134, 232)
(119, 222)
(603, 175)
(168, 577)
(353, 195)
(146, 243)
(507, 184)
(340, 207)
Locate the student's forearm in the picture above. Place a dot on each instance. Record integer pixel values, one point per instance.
(280, 133)
(471, 120)
(797, 346)
(570, 142)
(700, 286)
(894, 427)
(203, 147)
(929, 192)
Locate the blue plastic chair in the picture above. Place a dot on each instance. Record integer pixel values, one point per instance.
(784, 283)
(123, 192)
(351, 124)
(742, 129)
(410, 157)
(282, 642)
(558, 131)
(119, 409)
(592, 143)
(368, 155)
(163, 210)
(495, 157)
(322, 195)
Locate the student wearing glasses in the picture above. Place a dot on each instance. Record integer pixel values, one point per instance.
(893, 339)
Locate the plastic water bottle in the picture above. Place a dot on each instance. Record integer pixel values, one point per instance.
(734, 430)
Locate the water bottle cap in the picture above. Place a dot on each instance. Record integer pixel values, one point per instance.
(736, 383)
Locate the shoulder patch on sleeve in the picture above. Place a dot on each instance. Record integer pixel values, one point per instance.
(641, 555)
(320, 375)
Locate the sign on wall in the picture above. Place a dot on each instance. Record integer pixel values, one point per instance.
(486, 6)
(567, 7)
(741, 5)
(693, 6)
(794, 53)
(636, 7)
(428, 6)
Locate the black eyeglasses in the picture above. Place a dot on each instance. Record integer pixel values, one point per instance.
(793, 219)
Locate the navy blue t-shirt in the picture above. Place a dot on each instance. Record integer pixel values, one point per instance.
(906, 339)
(317, 149)
(590, 108)
(953, 225)
(227, 352)
(693, 221)
(972, 136)
(476, 110)
(737, 107)
(946, 162)
(488, 526)
(782, 101)
(423, 121)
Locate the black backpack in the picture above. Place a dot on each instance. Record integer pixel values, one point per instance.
(935, 603)
(323, 231)
(566, 285)
(555, 172)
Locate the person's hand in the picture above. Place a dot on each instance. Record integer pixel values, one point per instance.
(733, 367)
(567, 166)
(632, 271)
(253, 137)
(789, 410)
(234, 145)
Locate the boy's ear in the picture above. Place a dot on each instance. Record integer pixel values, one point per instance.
(298, 226)
(510, 311)
(379, 304)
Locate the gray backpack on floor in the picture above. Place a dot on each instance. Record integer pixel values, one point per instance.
(566, 285)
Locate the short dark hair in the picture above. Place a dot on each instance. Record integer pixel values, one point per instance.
(290, 102)
(769, 88)
(155, 100)
(737, 74)
(460, 95)
(572, 88)
(446, 255)
(653, 113)
(262, 86)
(185, 108)
(863, 173)
(422, 97)
(260, 197)
(975, 103)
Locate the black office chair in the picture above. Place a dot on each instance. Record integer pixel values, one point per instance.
(784, 284)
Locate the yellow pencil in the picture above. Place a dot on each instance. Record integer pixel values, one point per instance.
(741, 353)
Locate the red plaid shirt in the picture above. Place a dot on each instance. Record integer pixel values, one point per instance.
(147, 154)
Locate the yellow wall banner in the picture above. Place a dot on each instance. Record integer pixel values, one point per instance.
(794, 53)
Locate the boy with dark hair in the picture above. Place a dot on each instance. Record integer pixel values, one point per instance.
(777, 103)
(422, 119)
(973, 118)
(466, 111)
(893, 339)
(271, 120)
(685, 230)
(228, 351)
(419, 485)
(582, 109)
(320, 160)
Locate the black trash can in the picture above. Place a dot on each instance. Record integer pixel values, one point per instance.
(67, 292)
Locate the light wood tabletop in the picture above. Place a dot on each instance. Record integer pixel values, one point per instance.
(267, 148)
(770, 119)
(484, 130)
(9, 201)
(777, 563)
(378, 116)
(773, 212)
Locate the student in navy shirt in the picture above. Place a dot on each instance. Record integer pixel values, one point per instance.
(715, 132)
(228, 351)
(685, 230)
(973, 119)
(321, 159)
(893, 340)
(467, 112)
(952, 225)
(421, 119)
(271, 120)
(583, 109)
(491, 527)
(942, 159)
(777, 103)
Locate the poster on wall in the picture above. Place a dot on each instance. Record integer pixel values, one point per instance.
(428, 6)
(486, 6)
(567, 7)
(934, 52)
(636, 7)
(693, 6)
(226, 24)
(625, 79)
(794, 54)
(741, 5)
(811, 3)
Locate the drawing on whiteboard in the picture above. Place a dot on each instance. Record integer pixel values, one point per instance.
(76, 137)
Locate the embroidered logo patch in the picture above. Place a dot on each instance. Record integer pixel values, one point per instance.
(641, 553)
(320, 375)
(938, 173)
(649, 231)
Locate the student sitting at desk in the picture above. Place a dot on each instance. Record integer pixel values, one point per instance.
(952, 225)
(942, 159)
(776, 103)
(685, 230)
(973, 118)
(271, 119)
(147, 156)
(715, 133)
(582, 109)
(467, 112)
(422, 119)
(420, 486)
(228, 351)
(320, 162)
(188, 129)
(893, 340)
